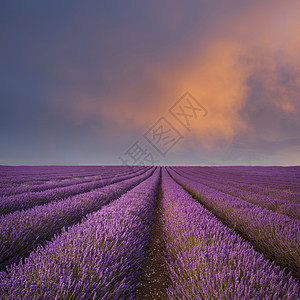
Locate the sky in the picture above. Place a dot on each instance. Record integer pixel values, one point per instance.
(150, 82)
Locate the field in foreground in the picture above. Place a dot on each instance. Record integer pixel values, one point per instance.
(139, 232)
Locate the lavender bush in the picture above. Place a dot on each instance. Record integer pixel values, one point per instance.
(207, 260)
(31, 199)
(97, 259)
(276, 235)
(21, 231)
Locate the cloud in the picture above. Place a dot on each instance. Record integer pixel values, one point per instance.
(256, 53)
(245, 70)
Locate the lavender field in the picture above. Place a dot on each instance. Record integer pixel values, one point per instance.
(137, 232)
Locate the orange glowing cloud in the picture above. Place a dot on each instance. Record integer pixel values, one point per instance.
(260, 46)
(217, 73)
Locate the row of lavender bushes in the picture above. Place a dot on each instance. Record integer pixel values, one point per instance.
(245, 183)
(4, 192)
(276, 235)
(31, 199)
(100, 258)
(265, 178)
(22, 231)
(286, 207)
(207, 260)
(16, 175)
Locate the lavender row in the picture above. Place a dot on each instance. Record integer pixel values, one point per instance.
(281, 206)
(39, 187)
(22, 231)
(264, 184)
(35, 186)
(31, 199)
(51, 185)
(17, 180)
(20, 175)
(279, 194)
(265, 180)
(100, 258)
(207, 260)
(277, 235)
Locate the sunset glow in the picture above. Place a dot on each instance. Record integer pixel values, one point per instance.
(81, 89)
